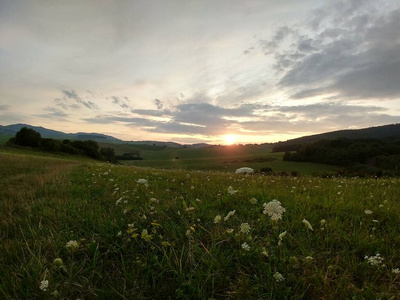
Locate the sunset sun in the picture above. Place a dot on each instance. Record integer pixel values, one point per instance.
(230, 139)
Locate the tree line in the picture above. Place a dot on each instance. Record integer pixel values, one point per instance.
(380, 154)
(27, 137)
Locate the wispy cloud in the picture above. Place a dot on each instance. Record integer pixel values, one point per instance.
(72, 95)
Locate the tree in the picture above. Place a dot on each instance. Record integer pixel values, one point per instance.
(108, 153)
(28, 137)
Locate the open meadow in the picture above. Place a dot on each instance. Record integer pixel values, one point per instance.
(75, 228)
(217, 158)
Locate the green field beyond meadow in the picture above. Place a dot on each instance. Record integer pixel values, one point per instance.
(78, 229)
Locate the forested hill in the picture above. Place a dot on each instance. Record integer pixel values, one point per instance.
(379, 132)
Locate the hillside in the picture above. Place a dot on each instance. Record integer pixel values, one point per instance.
(379, 132)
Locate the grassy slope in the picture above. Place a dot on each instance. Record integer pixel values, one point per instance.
(46, 202)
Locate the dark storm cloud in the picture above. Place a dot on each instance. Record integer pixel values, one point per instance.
(351, 49)
(73, 95)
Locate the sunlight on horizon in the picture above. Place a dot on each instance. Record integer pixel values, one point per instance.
(230, 139)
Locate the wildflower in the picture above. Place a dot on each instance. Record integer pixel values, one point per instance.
(190, 208)
(368, 212)
(119, 233)
(72, 245)
(264, 252)
(230, 230)
(396, 271)
(231, 191)
(374, 260)
(146, 236)
(230, 214)
(245, 246)
(281, 236)
(142, 181)
(154, 200)
(274, 209)
(253, 201)
(322, 222)
(309, 259)
(278, 277)
(58, 262)
(217, 219)
(245, 227)
(44, 284)
(308, 225)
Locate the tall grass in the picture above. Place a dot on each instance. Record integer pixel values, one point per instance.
(145, 233)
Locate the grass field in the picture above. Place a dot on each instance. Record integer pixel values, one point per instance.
(79, 229)
(217, 158)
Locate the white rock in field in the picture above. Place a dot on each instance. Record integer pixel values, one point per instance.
(245, 170)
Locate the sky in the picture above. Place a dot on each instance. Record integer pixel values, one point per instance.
(192, 71)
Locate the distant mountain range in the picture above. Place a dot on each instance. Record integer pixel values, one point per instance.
(379, 132)
(11, 130)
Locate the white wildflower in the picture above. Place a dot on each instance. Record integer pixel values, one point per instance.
(231, 191)
(245, 246)
(308, 258)
(190, 208)
(396, 271)
(217, 219)
(44, 284)
(253, 201)
(154, 200)
(374, 260)
(322, 222)
(245, 227)
(230, 214)
(230, 230)
(308, 225)
(264, 252)
(281, 236)
(72, 245)
(142, 181)
(278, 277)
(368, 212)
(274, 209)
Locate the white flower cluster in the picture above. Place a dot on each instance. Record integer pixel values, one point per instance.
(44, 284)
(274, 209)
(278, 277)
(374, 260)
(245, 227)
(245, 246)
(231, 191)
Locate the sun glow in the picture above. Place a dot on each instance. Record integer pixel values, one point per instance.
(230, 139)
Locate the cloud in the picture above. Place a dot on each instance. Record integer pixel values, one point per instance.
(209, 120)
(349, 48)
(158, 103)
(53, 113)
(73, 95)
(4, 107)
(123, 103)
